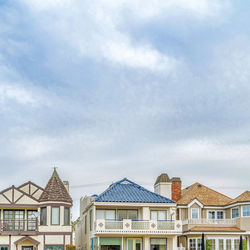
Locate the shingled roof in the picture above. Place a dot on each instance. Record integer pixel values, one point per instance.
(55, 190)
(203, 194)
(128, 191)
(242, 197)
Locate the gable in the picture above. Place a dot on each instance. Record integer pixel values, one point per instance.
(31, 189)
(13, 196)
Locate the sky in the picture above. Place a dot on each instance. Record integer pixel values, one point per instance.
(110, 89)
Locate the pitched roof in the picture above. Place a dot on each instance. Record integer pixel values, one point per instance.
(242, 197)
(214, 229)
(162, 178)
(203, 194)
(55, 190)
(128, 191)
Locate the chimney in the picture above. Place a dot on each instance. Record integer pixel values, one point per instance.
(163, 186)
(66, 185)
(176, 188)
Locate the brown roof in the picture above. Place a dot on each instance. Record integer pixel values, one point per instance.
(242, 197)
(203, 194)
(162, 178)
(55, 190)
(214, 229)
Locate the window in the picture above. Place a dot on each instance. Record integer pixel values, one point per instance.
(221, 244)
(13, 220)
(43, 216)
(4, 248)
(195, 244)
(236, 244)
(213, 246)
(55, 215)
(211, 214)
(246, 211)
(158, 244)
(127, 214)
(66, 216)
(228, 244)
(90, 220)
(31, 222)
(235, 212)
(195, 213)
(85, 224)
(214, 214)
(105, 214)
(159, 215)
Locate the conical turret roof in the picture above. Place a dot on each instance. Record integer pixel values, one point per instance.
(55, 190)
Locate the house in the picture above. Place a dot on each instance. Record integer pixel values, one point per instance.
(221, 219)
(36, 218)
(127, 216)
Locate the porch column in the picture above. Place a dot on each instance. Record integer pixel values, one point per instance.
(174, 243)
(146, 243)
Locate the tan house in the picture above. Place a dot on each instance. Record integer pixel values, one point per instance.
(33, 218)
(221, 219)
(129, 217)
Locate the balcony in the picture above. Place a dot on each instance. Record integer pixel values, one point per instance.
(222, 222)
(138, 226)
(18, 226)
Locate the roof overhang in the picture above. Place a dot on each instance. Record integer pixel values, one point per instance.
(195, 201)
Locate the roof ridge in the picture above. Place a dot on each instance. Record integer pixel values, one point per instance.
(113, 185)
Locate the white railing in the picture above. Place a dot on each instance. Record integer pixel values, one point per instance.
(210, 221)
(129, 225)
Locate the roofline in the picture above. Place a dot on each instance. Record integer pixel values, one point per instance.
(126, 179)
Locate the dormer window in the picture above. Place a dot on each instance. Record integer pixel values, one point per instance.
(246, 211)
(195, 213)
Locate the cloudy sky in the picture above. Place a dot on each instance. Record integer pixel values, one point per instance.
(106, 89)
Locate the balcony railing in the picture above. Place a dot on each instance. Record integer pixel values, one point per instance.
(136, 225)
(9, 225)
(210, 221)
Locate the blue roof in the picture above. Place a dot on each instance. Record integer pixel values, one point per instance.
(128, 191)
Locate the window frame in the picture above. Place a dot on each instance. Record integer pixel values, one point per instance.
(234, 208)
(154, 210)
(90, 219)
(126, 214)
(85, 223)
(198, 214)
(51, 218)
(197, 241)
(64, 218)
(216, 214)
(242, 211)
(8, 247)
(104, 210)
(46, 216)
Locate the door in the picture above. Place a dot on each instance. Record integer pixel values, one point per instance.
(134, 244)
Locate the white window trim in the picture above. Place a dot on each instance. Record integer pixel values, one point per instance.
(192, 213)
(216, 216)
(232, 212)
(196, 241)
(242, 211)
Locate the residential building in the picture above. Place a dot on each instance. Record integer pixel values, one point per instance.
(221, 219)
(36, 218)
(127, 216)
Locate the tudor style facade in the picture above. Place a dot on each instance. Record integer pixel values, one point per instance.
(129, 217)
(33, 218)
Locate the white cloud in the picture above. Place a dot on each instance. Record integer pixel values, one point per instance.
(92, 27)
